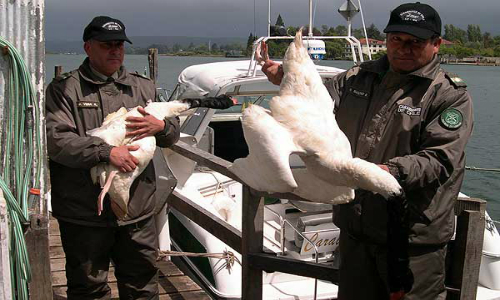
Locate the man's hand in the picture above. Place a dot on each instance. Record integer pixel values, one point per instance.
(273, 71)
(144, 126)
(384, 167)
(121, 158)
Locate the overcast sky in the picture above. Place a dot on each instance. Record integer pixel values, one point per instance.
(65, 19)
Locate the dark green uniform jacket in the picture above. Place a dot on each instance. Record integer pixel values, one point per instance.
(79, 101)
(418, 124)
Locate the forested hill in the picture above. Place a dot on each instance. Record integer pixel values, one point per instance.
(146, 41)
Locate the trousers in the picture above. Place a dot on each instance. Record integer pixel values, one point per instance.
(363, 271)
(132, 249)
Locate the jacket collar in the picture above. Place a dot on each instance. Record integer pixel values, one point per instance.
(381, 66)
(87, 74)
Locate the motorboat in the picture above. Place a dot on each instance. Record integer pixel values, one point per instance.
(295, 229)
(291, 228)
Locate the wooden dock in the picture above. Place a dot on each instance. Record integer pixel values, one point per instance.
(173, 284)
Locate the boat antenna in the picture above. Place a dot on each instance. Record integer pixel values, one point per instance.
(269, 18)
(310, 18)
(364, 29)
(254, 33)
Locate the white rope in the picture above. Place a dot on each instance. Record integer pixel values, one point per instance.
(472, 168)
(228, 256)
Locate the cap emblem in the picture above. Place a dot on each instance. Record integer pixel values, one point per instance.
(412, 16)
(112, 26)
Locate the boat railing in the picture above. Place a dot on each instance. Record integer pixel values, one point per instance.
(351, 40)
(464, 250)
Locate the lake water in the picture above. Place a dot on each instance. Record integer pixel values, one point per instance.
(483, 83)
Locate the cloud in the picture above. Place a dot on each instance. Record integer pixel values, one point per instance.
(65, 19)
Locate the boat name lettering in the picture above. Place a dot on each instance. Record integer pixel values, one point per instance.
(325, 241)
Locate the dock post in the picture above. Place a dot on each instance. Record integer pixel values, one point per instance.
(252, 242)
(153, 64)
(57, 71)
(467, 249)
(5, 279)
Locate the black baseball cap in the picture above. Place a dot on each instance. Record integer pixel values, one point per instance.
(105, 29)
(417, 19)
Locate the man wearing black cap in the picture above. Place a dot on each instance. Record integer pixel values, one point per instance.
(404, 113)
(75, 103)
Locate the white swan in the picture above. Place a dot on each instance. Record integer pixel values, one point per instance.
(301, 121)
(113, 131)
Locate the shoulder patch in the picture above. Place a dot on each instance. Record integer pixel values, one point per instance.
(352, 71)
(451, 118)
(455, 80)
(64, 76)
(141, 75)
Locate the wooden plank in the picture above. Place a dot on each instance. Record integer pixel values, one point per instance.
(60, 294)
(56, 252)
(252, 242)
(269, 262)
(59, 277)
(55, 240)
(466, 254)
(225, 232)
(177, 286)
(196, 295)
(57, 264)
(168, 268)
(54, 227)
(37, 244)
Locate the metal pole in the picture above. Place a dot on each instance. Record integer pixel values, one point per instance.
(364, 28)
(269, 18)
(310, 18)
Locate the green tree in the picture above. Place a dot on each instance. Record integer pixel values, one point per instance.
(279, 21)
(324, 29)
(488, 52)
(358, 33)
(341, 30)
(448, 51)
(378, 55)
(176, 48)
(292, 30)
(334, 49)
(496, 51)
(496, 40)
(276, 48)
(250, 40)
(464, 51)
(487, 40)
(454, 34)
(474, 33)
(215, 47)
(373, 32)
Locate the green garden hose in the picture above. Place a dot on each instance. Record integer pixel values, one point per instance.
(21, 138)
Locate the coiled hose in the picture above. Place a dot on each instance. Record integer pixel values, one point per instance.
(19, 142)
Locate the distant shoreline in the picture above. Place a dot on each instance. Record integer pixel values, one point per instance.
(472, 64)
